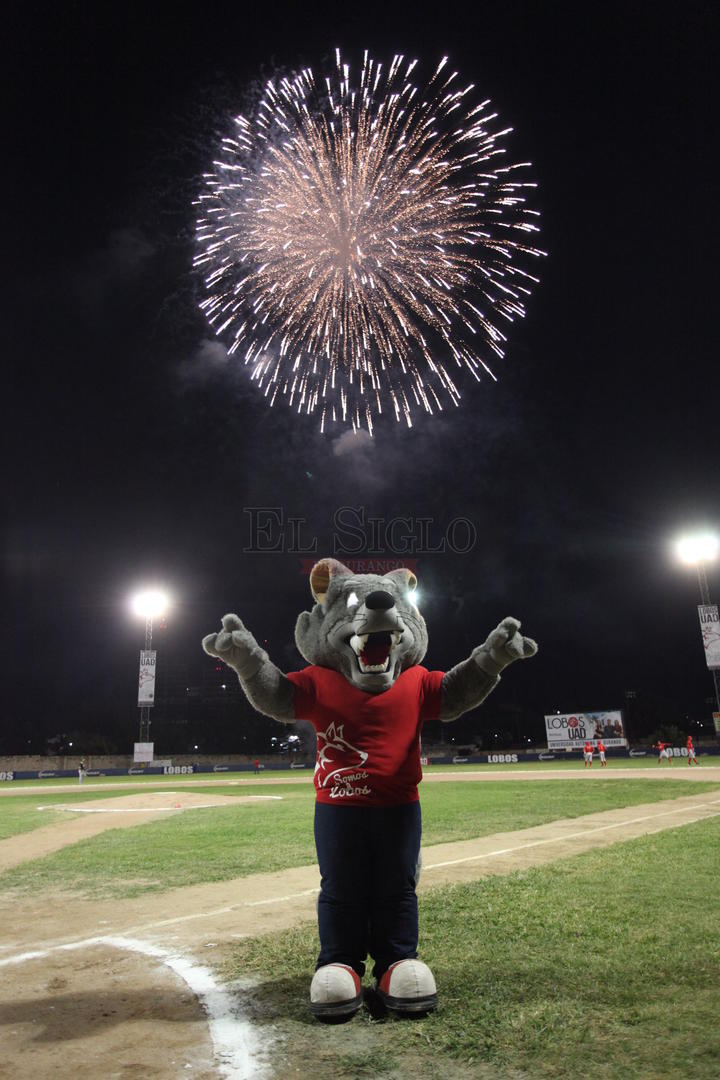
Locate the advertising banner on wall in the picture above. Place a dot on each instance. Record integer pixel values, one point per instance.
(143, 751)
(567, 731)
(710, 629)
(146, 682)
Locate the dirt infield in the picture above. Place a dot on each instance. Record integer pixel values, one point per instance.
(126, 989)
(102, 1012)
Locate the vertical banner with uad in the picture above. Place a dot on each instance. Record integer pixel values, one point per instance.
(146, 681)
(710, 629)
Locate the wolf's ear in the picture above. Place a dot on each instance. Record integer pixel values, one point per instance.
(405, 577)
(322, 574)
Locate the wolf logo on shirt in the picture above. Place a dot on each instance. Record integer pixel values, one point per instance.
(334, 750)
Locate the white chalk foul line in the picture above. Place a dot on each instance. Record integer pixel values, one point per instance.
(236, 1045)
(573, 836)
(270, 900)
(227, 910)
(177, 919)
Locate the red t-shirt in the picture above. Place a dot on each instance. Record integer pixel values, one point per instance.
(368, 745)
(601, 747)
(588, 748)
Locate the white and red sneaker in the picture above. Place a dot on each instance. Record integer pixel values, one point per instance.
(335, 992)
(408, 988)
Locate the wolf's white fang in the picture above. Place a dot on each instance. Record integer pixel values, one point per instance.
(358, 643)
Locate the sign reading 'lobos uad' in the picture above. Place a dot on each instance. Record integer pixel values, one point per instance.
(568, 730)
(710, 628)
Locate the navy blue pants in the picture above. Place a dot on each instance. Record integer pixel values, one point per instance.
(368, 858)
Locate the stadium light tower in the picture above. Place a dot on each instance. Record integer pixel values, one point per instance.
(697, 551)
(149, 604)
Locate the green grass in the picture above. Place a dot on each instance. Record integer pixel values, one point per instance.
(566, 763)
(214, 844)
(154, 781)
(465, 810)
(573, 762)
(605, 966)
(452, 811)
(224, 843)
(602, 967)
(23, 813)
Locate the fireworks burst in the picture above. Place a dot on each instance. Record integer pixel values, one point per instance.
(359, 241)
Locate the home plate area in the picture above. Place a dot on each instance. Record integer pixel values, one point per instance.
(103, 1011)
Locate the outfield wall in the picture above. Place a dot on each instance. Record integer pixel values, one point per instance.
(25, 762)
(19, 768)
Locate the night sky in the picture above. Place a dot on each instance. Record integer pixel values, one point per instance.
(133, 450)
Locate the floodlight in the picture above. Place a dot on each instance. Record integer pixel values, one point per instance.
(696, 549)
(150, 604)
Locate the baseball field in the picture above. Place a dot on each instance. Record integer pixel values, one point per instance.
(164, 927)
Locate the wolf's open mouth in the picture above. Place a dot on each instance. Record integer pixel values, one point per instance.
(373, 650)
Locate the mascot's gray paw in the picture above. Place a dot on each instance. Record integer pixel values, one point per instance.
(236, 646)
(504, 645)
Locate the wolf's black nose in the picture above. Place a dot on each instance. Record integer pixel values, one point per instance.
(379, 600)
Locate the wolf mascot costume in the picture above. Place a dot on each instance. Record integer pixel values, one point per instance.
(367, 697)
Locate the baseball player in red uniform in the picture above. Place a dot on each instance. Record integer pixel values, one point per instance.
(588, 754)
(692, 759)
(663, 748)
(601, 751)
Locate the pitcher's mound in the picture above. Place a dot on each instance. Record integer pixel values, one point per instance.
(158, 802)
(93, 817)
